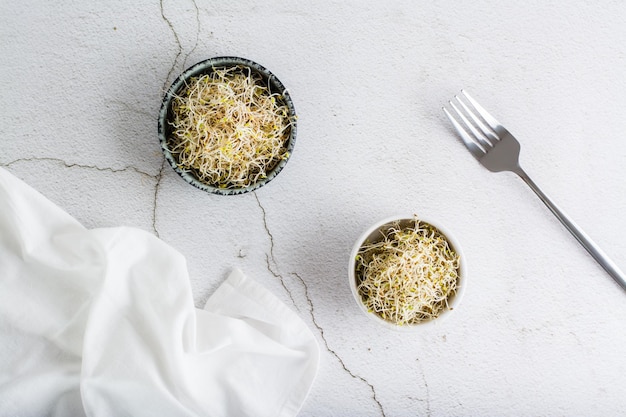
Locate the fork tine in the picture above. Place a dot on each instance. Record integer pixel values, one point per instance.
(491, 121)
(487, 133)
(474, 149)
(484, 137)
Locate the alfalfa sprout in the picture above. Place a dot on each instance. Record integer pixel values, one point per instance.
(229, 128)
(409, 275)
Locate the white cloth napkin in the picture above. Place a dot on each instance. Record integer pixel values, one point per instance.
(102, 323)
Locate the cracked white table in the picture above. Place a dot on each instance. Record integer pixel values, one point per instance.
(541, 328)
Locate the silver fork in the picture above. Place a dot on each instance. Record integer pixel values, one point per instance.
(497, 150)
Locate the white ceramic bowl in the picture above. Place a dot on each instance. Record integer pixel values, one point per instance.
(373, 234)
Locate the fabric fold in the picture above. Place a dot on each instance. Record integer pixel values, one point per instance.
(101, 322)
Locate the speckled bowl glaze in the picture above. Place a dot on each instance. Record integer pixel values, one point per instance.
(373, 234)
(206, 67)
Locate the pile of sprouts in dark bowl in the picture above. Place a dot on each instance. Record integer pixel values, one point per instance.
(227, 125)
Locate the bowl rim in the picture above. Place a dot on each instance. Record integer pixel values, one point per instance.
(458, 296)
(206, 66)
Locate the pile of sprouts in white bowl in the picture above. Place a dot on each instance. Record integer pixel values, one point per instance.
(406, 272)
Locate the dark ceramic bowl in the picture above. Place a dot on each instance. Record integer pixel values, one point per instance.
(206, 67)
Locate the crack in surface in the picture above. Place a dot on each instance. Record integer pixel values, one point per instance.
(178, 43)
(270, 259)
(159, 175)
(331, 351)
(282, 281)
(428, 411)
(66, 164)
(177, 39)
(195, 45)
(157, 186)
(267, 229)
(75, 165)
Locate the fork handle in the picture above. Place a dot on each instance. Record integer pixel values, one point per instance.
(593, 249)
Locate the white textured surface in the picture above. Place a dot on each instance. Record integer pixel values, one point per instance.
(541, 328)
